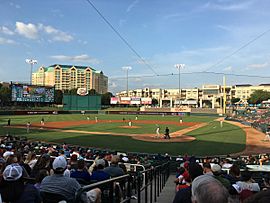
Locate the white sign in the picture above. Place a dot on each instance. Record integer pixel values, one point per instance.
(82, 91)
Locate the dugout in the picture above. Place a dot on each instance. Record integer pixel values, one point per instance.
(77, 102)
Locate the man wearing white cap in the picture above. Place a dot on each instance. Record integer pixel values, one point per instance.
(13, 189)
(60, 184)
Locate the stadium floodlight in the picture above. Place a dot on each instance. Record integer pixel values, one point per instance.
(179, 67)
(127, 68)
(31, 62)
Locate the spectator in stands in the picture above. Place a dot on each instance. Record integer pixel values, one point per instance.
(114, 170)
(184, 195)
(181, 180)
(2, 165)
(81, 174)
(218, 174)
(207, 168)
(247, 183)
(43, 162)
(260, 197)
(13, 189)
(26, 167)
(263, 159)
(40, 176)
(58, 183)
(73, 162)
(206, 188)
(234, 174)
(31, 159)
(99, 174)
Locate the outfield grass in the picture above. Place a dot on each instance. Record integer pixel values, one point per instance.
(210, 140)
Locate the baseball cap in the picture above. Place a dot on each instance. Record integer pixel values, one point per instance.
(59, 163)
(125, 159)
(216, 168)
(100, 162)
(2, 161)
(7, 153)
(12, 172)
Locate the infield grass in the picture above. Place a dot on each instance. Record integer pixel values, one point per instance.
(210, 139)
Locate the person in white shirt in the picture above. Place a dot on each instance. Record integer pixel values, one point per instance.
(157, 132)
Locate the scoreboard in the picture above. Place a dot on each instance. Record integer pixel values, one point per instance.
(31, 93)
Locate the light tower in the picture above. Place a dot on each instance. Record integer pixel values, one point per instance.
(127, 68)
(179, 67)
(31, 62)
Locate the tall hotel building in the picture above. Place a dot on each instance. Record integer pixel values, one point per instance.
(67, 77)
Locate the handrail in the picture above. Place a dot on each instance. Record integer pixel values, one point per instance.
(153, 182)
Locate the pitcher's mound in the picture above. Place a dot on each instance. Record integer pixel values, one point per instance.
(126, 126)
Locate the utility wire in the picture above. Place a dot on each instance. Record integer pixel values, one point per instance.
(237, 50)
(122, 38)
(191, 73)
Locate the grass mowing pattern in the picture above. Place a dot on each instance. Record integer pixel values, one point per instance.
(115, 127)
(211, 139)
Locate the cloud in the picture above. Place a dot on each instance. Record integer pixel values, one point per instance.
(223, 27)
(6, 41)
(227, 6)
(173, 15)
(113, 85)
(229, 68)
(6, 31)
(57, 35)
(78, 58)
(258, 66)
(29, 30)
(14, 5)
(32, 31)
(132, 5)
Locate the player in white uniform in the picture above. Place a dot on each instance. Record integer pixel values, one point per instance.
(157, 132)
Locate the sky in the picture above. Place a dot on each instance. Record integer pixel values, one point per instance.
(224, 36)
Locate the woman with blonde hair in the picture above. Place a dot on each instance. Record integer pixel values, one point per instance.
(31, 159)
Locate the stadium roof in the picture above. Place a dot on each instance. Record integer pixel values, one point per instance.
(268, 84)
(243, 85)
(70, 66)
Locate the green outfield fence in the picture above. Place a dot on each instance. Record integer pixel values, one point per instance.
(81, 103)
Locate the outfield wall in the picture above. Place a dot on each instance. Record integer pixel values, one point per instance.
(81, 103)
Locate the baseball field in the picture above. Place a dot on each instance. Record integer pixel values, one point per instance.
(196, 135)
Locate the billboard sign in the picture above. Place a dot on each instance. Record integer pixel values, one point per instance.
(146, 100)
(114, 100)
(124, 100)
(135, 100)
(31, 93)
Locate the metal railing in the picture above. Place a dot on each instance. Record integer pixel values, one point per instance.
(141, 187)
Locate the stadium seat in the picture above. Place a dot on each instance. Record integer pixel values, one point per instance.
(52, 197)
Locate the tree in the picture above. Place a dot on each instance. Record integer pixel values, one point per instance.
(258, 96)
(106, 98)
(92, 92)
(154, 102)
(235, 100)
(73, 91)
(58, 98)
(5, 96)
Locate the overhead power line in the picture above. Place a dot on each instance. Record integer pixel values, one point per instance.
(237, 50)
(122, 38)
(190, 73)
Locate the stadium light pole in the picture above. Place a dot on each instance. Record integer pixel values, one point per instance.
(31, 62)
(127, 68)
(179, 67)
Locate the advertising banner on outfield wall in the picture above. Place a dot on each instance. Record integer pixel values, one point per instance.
(146, 100)
(135, 100)
(124, 100)
(114, 100)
